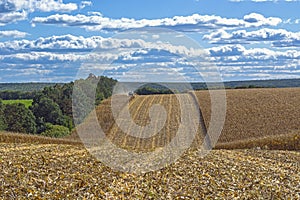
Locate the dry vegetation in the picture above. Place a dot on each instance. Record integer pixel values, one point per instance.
(258, 119)
(8, 137)
(52, 171)
(139, 109)
(255, 113)
(262, 118)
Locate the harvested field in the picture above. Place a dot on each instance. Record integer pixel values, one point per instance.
(56, 171)
(256, 113)
(35, 167)
(263, 118)
(139, 109)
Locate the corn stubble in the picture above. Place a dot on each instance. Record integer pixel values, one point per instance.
(262, 118)
(57, 171)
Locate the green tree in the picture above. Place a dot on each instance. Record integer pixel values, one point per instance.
(47, 111)
(3, 125)
(19, 119)
(55, 131)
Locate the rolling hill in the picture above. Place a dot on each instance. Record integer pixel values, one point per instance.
(262, 118)
(35, 167)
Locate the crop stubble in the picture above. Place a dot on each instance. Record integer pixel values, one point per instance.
(51, 171)
(59, 171)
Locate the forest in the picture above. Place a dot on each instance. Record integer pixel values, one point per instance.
(51, 111)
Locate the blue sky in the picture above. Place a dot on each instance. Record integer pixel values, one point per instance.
(61, 40)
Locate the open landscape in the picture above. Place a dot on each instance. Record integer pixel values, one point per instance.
(160, 99)
(268, 118)
(263, 161)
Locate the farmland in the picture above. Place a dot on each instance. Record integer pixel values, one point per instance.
(260, 125)
(255, 113)
(264, 118)
(56, 171)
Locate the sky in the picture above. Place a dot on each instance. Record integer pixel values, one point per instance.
(149, 40)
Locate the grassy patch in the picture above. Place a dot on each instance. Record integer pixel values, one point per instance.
(16, 138)
(26, 102)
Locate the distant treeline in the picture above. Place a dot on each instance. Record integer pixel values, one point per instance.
(168, 88)
(51, 113)
(280, 83)
(153, 88)
(25, 87)
(14, 95)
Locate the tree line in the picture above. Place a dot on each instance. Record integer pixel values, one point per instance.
(25, 87)
(154, 88)
(14, 95)
(51, 112)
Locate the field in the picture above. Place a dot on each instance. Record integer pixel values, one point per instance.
(256, 113)
(260, 126)
(53, 171)
(26, 102)
(255, 118)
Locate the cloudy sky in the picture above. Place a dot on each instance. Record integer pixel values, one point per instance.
(53, 40)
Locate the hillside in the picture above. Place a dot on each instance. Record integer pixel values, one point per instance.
(264, 118)
(255, 113)
(37, 167)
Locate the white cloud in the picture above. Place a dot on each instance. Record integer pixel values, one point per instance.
(278, 37)
(17, 10)
(77, 49)
(33, 71)
(71, 44)
(238, 55)
(260, 20)
(252, 52)
(11, 17)
(155, 37)
(13, 33)
(85, 4)
(226, 50)
(237, 62)
(42, 5)
(196, 22)
(71, 51)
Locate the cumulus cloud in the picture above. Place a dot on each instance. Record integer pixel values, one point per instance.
(278, 37)
(260, 20)
(68, 44)
(11, 17)
(85, 4)
(71, 51)
(238, 62)
(239, 55)
(232, 50)
(13, 33)
(195, 22)
(17, 10)
(73, 44)
(74, 50)
(38, 5)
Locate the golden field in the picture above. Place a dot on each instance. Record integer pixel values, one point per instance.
(256, 113)
(59, 171)
(262, 118)
(260, 126)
